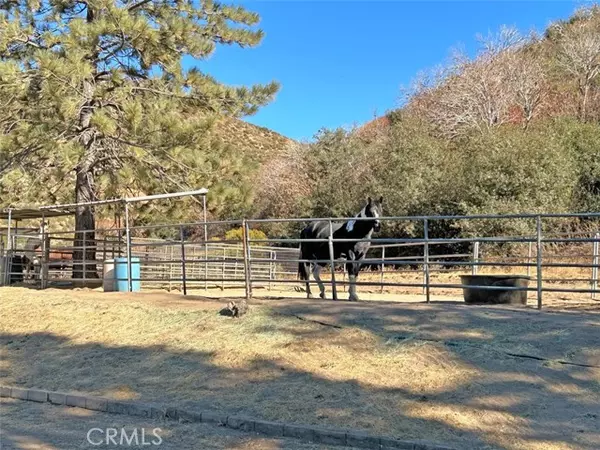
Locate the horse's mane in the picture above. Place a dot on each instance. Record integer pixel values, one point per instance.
(349, 225)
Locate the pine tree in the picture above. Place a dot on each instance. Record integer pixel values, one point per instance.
(95, 98)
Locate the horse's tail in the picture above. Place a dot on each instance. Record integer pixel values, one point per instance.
(303, 267)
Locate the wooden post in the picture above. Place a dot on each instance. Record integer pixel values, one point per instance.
(183, 271)
(539, 262)
(426, 259)
(332, 262)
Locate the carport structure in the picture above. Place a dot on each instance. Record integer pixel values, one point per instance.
(19, 243)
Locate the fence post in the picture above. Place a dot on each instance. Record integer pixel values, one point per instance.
(235, 263)
(332, 260)
(128, 248)
(539, 261)
(84, 262)
(7, 261)
(223, 269)
(183, 271)
(205, 243)
(9, 248)
(529, 252)
(595, 262)
(45, 260)
(426, 258)
(171, 267)
(43, 253)
(271, 258)
(382, 269)
(475, 267)
(2, 263)
(247, 268)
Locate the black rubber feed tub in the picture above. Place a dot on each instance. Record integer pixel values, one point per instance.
(475, 295)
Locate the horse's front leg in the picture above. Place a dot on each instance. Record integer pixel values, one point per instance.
(352, 267)
(317, 275)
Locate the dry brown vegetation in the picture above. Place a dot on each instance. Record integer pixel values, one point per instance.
(259, 143)
(441, 372)
(34, 426)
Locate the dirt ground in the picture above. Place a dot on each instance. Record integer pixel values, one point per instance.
(373, 291)
(469, 376)
(35, 426)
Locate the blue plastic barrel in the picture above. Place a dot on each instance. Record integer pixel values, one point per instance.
(121, 274)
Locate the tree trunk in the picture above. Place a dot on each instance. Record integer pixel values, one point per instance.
(84, 255)
(585, 92)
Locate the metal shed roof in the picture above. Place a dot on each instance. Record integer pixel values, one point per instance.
(32, 213)
(69, 209)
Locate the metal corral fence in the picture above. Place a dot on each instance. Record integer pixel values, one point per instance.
(171, 264)
(556, 262)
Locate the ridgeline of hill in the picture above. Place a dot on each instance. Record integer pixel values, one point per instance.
(516, 129)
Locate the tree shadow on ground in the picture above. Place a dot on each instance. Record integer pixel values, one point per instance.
(504, 399)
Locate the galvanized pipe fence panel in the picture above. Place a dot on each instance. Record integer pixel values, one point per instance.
(185, 262)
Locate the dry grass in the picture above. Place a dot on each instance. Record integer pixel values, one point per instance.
(391, 293)
(34, 426)
(437, 372)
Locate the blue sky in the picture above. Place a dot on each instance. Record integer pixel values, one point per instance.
(341, 62)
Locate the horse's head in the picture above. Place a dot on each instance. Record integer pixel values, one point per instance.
(374, 209)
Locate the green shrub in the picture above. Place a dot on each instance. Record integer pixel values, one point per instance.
(237, 234)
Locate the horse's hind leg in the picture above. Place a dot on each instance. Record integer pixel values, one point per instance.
(317, 275)
(305, 275)
(308, 291)
(353, 267)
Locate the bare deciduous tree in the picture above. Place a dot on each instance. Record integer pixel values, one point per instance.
(526, 79)
(482, 93)
(579, 53)
(282, 181)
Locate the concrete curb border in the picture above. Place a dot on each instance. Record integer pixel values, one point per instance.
(308, 433)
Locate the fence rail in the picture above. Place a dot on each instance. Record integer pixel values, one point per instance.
(191, 263)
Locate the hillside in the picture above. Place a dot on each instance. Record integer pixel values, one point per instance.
(513, 80)
(514, 129)
(259, 142)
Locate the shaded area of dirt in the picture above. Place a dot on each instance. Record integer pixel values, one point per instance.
(35, 426)
(439, 372)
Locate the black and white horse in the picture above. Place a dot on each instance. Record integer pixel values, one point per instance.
(353, 252)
